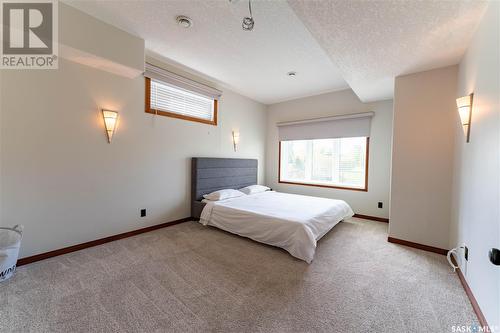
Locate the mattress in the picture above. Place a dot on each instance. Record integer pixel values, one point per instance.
(289, 221)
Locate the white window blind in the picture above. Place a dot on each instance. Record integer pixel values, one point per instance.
(168, 78)
(353, 125)
(166, 98)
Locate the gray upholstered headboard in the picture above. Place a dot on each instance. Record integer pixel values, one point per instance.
(213, 174)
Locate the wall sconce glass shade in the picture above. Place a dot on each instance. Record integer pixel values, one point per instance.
(236, 139)
(110, 120)
(464, 105)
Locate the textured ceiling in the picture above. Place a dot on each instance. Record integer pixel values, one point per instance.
(371, 42)
(253, 63)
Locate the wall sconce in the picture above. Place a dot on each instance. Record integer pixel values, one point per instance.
(236, 139)
(464, 105)
(110, 120)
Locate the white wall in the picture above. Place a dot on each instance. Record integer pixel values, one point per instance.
(86, 40)
(338, 103)
(67, 185)
(1, 145)
(422, 159)
(476, 185)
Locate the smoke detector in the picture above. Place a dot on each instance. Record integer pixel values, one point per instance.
(184, 21)
(291, 74)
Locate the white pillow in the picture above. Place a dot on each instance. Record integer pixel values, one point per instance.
(252, 189)
(223, 194)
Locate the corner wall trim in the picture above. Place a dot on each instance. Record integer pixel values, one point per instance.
(77, 247)
(417, 245)
(470, 295)
(372, 218)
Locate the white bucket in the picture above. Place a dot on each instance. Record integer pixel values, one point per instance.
(10, 241)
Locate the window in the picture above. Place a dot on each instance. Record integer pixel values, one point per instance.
(167, 100)
(338, 163)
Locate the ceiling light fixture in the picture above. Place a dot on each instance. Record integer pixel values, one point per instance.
(291, 74)
(184, 21)
(248, 21)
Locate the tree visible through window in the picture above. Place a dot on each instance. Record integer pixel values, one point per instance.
(340, 162)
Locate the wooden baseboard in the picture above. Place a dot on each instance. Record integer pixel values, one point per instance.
(475, 306)
(417, 245)
(73, 248)
(468, 291)
(372, 218)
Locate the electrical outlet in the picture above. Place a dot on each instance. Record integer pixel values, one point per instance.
(143, 212)
(380, 204)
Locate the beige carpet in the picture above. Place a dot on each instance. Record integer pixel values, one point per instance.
(190, 278)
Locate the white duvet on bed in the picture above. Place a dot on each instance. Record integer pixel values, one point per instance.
(292, 222)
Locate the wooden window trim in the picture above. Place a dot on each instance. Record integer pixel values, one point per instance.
(365, 189)
(148, 109)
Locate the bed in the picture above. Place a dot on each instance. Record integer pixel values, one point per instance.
(289, 221)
